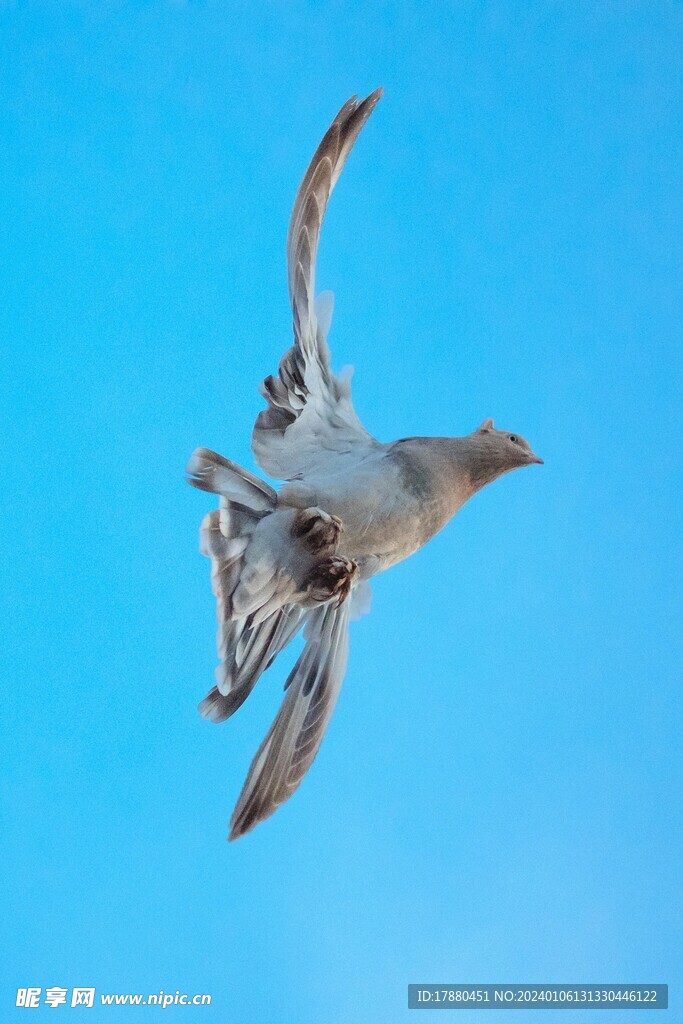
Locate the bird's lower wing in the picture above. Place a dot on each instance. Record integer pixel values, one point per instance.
(246, 652)
(293, 739)
(310, 415)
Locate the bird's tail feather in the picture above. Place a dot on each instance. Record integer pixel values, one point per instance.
(210, 471)
(247, 643)
(247, 654)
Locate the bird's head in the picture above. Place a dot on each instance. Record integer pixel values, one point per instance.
(494, 452)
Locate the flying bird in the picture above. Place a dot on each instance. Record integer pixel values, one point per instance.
(350, 507)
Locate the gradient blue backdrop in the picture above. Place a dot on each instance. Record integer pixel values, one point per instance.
(497, 798)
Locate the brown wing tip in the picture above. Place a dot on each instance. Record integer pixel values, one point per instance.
(353, 104)
(240, 827)
(369, 103)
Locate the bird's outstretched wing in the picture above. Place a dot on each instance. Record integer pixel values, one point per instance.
(310, 416)
(293, 739)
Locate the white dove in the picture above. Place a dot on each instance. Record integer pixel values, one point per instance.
(351, 507)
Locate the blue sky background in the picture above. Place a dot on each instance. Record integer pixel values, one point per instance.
(498, 796)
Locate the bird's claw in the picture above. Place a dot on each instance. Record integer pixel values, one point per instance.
(317, 530)
(332, 578)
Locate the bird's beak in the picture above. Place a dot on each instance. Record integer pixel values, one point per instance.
(535, 458)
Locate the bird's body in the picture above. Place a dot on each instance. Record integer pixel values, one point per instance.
(393, 501)
(351, 507)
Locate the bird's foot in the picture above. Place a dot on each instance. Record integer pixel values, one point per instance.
(331, 578)
(317, 530)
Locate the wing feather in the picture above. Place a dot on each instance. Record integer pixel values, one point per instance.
(294, 738)
(309, 410)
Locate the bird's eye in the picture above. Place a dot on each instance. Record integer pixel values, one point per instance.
(514, 438)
